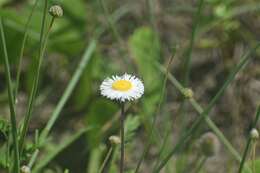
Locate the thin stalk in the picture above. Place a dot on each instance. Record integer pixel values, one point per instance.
(249, 140)
(200, 164)
(68, 91)
(150, 136)
(106, 159)
(26, 29)
(33, 158)
(187, 63)
(16, 165)
(165, 139)
(185, 138)
(35, 82)
(253, 156)
(122, 134)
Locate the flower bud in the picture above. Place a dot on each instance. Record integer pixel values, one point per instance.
(114, 140)
(254, 134)
(25, 169)
(188, 93)
(209, 144)
(56, 11)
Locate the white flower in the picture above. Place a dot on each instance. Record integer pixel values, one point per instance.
(122, 88)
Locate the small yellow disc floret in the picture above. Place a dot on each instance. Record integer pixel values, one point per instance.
(122, 85)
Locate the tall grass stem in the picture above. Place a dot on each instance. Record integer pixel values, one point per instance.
(26, 29)
(43, 45)
(16, 164)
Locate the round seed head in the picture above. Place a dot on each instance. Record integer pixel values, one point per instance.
(114, 140)
(56, 11)
(254, 134)
(209, 144)
(25, 169)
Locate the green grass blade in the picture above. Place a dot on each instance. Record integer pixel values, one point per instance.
(26, 30)
(84, 61)
(187, 63)
(204, 114)
(16, 168)
(43, 44)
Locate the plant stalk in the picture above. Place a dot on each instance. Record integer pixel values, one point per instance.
(122, 134)
(16, 164)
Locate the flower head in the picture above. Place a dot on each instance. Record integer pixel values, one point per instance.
(122, 88)
(56, 11)
(114, 140)
(25, 169)
(254, 134)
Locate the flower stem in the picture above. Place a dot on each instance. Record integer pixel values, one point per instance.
(122, 130)
(253, 156)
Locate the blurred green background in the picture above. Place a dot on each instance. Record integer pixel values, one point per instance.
(133, 36)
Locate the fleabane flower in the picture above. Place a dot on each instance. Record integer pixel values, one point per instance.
(122, 88)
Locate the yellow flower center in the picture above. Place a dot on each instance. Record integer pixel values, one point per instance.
(122, 85)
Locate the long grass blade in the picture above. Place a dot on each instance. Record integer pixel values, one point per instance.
(26, 30)
(16, 163)
(187, 63)
(43, 44)
(68, 91)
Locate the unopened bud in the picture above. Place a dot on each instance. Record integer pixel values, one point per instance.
(188, 93)
(56, 11)
(209, 144)
(114, 140)
(25, 169)
(254, 134)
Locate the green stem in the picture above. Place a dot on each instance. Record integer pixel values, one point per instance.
(22, 48)
(253, 156)
(68, 91)
(33, 158)
(185, 138)
(122, 133)
(187, 63)
(43, 45)
(106, 160)
(249, 140)
(16, 167)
